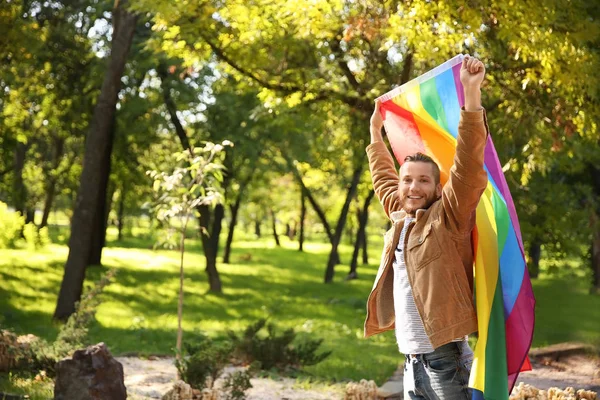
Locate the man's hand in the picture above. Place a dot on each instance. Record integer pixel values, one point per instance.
(376, 125)
(472, 72)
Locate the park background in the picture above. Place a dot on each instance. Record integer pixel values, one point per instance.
(95, 94)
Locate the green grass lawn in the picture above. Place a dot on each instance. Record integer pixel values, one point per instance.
(138, 312)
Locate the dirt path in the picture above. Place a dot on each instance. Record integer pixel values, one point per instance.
(151, 378)
(577, 370)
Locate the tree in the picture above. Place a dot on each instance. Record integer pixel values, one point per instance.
(361, 235)
(97, 144)
(193, 182)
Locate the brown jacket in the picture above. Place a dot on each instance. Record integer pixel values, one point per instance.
(439, 255)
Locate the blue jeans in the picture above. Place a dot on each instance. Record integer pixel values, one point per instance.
(442, 374)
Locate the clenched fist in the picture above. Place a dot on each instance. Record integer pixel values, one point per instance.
(472, 72)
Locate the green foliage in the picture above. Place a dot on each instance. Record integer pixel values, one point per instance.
(260, 346)
(192, 180)
(30, 386)
(203, 361)
(73, 335)
(11, 225)
(261, 343)
(14, 232)
(34, 237)
(236, 384)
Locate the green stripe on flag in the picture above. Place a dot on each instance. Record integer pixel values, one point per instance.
(432, 103)
(502, 220)
(496, 369)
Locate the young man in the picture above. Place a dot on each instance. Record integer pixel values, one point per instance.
(424, 286)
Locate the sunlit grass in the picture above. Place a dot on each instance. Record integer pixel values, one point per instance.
(138, 312)
(35, 389)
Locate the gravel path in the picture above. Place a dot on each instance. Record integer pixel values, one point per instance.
(151, 378)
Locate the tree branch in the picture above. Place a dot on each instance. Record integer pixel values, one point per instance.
(172, 109)
(352, 101)
(406, 67)
(339, 56)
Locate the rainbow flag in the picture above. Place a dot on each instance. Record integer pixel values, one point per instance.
(422, 116)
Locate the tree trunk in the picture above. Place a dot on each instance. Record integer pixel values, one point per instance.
(121, 214)
(30, 215)
(210, 229)
(96, 146)
(535, 254)
(316, 207)
(311, 200)
(234, 213)
(365, 244)
(274, 227)
(104, 204)
(257, 227)
(179, 341)
(19, 189)
(288, 230)
(595, 225)
(596, 259)
(52, 179)
(48, 202)
(333, 257)
(302, 218)
(361, 237)
(172, 108)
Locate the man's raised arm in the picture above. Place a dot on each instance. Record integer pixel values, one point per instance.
(383, 170)
(468, 178)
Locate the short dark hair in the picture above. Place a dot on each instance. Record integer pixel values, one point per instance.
(420, 157)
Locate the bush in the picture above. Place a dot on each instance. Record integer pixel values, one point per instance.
(15, 233)
(73, 334)
(35, 238)
(260, 346)
(236, 384)
(273, 350)
(11, 225)
(203, 360)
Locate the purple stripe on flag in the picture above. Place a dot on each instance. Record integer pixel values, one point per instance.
(459, 87)
(519, 329)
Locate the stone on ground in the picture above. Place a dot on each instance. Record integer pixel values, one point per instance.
(91, 374)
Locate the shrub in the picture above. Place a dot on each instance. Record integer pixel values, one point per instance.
(11, 225)
(203, 360)
(236, 384)
(73, 334)
(15, 233)
(34, 238)
(262, 343)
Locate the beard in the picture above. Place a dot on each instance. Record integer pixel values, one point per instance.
(411, 206)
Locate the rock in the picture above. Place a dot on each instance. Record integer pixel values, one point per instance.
(180, 391)
(363, 390)
(14, 349)
(210, 394)
(92, 374)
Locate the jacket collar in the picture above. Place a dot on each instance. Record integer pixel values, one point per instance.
(400, 215)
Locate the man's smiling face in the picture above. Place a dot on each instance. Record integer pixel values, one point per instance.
(418, 187)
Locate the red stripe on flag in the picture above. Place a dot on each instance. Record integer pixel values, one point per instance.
(402, 130)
